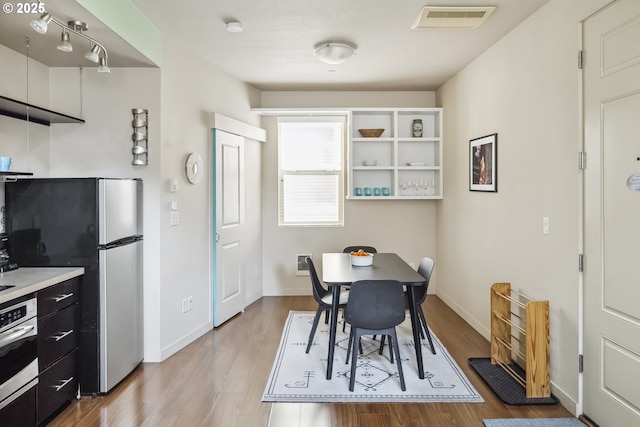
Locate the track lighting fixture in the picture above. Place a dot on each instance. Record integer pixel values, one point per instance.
(92, 55)
(65, 42)
(102, 66)
(41, 25)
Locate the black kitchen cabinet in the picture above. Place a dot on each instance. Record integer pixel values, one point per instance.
(58, 317)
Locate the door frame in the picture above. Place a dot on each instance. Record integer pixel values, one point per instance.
(223, 123)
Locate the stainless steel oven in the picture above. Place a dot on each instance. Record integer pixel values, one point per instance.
(18, 362)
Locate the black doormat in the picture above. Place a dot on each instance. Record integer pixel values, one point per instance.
(507, 389)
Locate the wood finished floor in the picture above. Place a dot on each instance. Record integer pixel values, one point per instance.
(219, 379)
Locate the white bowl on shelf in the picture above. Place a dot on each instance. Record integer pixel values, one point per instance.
(417, 164)
(361, 261)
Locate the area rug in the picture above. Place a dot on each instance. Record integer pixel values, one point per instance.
(300, 377)
(533, 422)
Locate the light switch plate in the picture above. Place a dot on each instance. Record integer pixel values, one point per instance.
(545, 226)
(174, 218)
(173, 185)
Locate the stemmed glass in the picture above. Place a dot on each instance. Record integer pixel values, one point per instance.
(424, 183)
(403, 187)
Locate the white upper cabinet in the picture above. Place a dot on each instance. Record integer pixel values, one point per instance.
(398, 164)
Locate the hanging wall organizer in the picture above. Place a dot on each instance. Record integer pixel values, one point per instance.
(140, 137)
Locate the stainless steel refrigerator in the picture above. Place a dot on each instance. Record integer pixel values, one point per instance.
(95, 223)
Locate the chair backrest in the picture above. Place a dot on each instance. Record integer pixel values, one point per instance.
(369, 249)
(424, 269)
(375, 304)
(318, 290)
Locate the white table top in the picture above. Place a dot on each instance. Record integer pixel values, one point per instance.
(337, 269)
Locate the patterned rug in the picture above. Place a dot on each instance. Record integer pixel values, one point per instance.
(300, 377)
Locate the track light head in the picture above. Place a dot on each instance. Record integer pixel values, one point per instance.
(102, 65)
(65, 42)
(92, 55)
(41, 24)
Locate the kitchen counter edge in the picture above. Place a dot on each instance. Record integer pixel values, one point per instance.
(28, 280)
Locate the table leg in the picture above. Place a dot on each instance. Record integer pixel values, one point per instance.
(415, 326)
(332, 328)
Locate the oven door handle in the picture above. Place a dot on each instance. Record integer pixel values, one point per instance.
(15, 334)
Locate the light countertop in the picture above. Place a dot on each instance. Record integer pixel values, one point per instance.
(31, 279)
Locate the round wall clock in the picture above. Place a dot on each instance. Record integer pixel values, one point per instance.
(194, 168)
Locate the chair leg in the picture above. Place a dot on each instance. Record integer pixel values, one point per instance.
(313, 328)
(394, 339)
(382, 339)
(354, 359)
(326, 317)
(423, 320)
(391, 350)
(346, 361)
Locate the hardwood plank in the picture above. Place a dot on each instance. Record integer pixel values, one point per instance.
(219, 379)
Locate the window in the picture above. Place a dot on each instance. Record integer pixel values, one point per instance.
(311, 175)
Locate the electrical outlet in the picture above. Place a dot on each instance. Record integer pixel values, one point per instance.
(185, 306)
(190, 303)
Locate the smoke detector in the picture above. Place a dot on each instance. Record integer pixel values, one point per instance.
(452, 17)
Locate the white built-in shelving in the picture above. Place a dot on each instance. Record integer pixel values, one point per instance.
(406, 167)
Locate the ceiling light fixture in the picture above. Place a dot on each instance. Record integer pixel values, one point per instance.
(65, 42)
(334, 53)
(234, 27)
(93, 54)
(76, 27)
(41, 24)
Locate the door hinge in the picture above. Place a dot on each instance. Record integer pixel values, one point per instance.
(580, 60)
(580, 363)
(581, 160)
(580, 263)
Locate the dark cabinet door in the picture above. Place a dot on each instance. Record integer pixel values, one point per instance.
(57, 386)
(57, 336)
(21, 412)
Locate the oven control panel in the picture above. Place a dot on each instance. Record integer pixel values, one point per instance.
(17, 313)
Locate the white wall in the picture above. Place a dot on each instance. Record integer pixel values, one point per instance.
(177, 260)
(27, 143)
(407, 227)
(191, 89)
(525, 88)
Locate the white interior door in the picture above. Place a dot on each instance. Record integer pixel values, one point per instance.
(612, 213)
(229, 298)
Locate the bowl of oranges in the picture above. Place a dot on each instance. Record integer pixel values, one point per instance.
(360, 258)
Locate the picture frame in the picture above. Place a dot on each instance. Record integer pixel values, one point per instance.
(483, 163)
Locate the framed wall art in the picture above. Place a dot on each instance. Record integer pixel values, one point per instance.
(483, 163)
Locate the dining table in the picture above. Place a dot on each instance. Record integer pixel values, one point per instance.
(337, 272)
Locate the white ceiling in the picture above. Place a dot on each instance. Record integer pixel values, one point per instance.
(275, 50)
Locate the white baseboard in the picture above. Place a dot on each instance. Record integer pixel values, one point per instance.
(173, 348)
(290, 292)
(565, 400)
(475, 324)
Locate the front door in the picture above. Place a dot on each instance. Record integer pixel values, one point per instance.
(229, 293)
(612, 215)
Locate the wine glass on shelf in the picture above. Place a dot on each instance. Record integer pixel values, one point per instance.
(403, 187)
(432, 189)
(424, 184)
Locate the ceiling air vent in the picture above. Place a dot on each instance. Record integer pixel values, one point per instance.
(452, 17)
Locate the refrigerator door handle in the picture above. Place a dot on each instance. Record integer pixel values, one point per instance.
(121, 242)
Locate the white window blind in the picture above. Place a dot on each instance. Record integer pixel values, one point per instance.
(311, 151)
